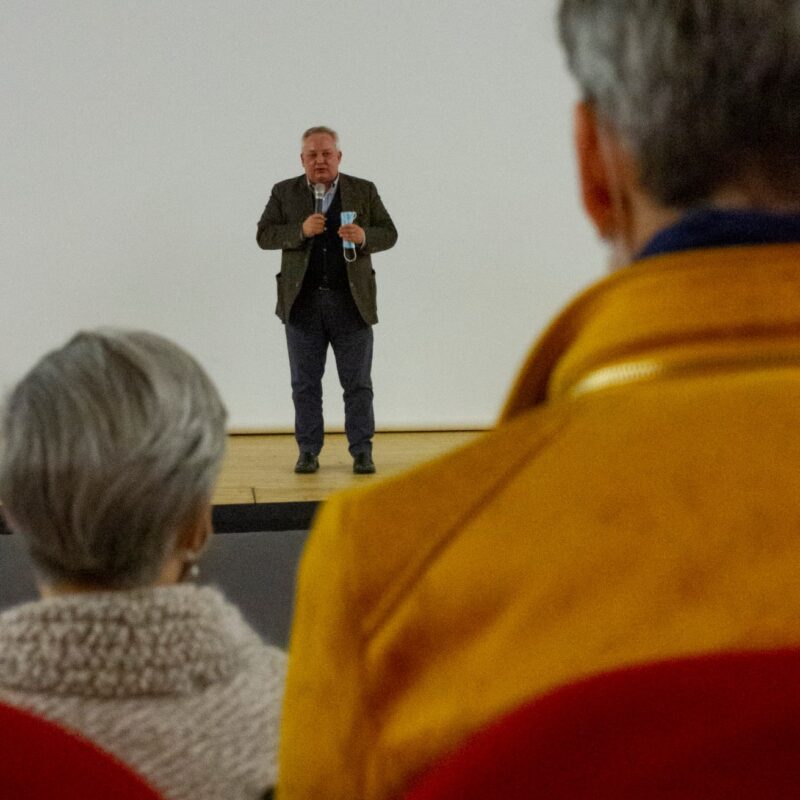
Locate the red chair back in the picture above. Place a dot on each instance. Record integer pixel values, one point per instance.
(39, 760)
(717, 726)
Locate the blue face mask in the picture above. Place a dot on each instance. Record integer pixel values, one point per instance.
(348, 218)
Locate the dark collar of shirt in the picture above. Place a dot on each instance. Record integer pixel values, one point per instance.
(716, 227)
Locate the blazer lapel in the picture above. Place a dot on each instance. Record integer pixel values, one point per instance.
(353, 199)
(305, 196)
(346, 193)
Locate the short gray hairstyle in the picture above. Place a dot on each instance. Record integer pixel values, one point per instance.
(111, 444)
(321, 129)
(704, 92)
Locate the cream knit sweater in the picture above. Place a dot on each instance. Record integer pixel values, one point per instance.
(170, 679)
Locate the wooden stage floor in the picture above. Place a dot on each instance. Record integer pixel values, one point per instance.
(258, 468)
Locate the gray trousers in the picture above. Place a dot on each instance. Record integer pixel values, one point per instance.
(319, 318)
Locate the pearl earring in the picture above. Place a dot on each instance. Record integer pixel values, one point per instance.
(191, 568)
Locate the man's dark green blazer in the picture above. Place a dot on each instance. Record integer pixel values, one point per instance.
(281, 228)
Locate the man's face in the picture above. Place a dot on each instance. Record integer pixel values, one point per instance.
(320, 158)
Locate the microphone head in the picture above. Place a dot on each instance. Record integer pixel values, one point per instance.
(319, 191)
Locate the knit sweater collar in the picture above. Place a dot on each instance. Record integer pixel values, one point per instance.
(172, 640)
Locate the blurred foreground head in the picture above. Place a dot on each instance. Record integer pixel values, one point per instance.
(111, 447)
(685, 103)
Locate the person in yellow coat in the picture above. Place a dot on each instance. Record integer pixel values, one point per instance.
(639, 498)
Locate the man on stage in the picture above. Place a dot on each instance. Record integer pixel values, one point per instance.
(639, 499)
(326, 290)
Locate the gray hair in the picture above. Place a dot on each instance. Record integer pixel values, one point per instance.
(110, 446)
(704, 92)
(321, 129)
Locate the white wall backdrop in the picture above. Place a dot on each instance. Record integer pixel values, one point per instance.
(140, 140)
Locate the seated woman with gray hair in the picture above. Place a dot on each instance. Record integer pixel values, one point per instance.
(111, 447)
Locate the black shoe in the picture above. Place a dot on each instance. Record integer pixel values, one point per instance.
(363, 464)
(306, 463)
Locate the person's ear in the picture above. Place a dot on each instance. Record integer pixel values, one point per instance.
(597, 176)
(195, 535)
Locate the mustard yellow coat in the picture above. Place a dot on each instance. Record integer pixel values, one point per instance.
(640, 498)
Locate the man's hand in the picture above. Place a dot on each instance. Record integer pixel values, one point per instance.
(313, 225)
(352, 233)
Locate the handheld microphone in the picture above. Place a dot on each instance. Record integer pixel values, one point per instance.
(319, 194)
